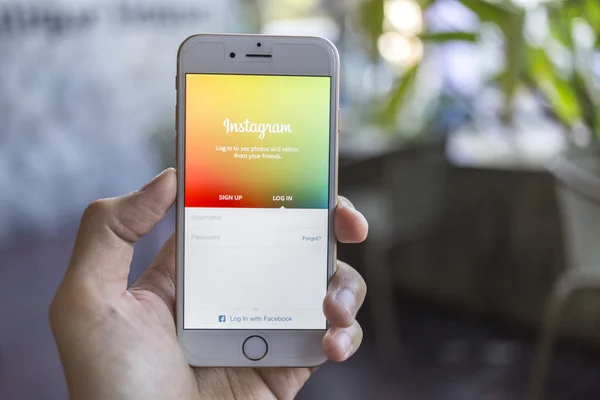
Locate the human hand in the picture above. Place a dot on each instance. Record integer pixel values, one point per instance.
(120, 343)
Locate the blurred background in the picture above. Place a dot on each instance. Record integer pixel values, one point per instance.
(469, 139)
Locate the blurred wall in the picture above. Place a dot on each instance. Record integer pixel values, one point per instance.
(86, 111)
(86, 89)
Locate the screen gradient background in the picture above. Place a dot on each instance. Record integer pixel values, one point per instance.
(302, 102)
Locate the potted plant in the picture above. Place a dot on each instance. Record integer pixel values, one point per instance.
(551, 53)
(552, 50)
(572, 93)
(555, 56)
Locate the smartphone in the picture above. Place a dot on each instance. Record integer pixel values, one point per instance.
(257, 128)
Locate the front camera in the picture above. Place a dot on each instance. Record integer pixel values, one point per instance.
(232, 55)
(258, 44)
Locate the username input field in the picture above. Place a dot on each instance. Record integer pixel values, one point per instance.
(248, 218)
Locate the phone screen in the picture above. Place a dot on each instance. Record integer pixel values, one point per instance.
(257, 151)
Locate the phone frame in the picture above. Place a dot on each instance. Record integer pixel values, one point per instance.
(291, 55)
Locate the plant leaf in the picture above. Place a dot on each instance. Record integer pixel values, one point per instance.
(592, 15)
(496, 13)
(511, 21)
(559, 92)
(560, 24)
(370, 19)
(443, 37)
(425, 3)
(398, 96)
(513, 51)
(586, 101)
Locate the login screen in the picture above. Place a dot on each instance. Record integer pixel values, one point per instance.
(256, 201)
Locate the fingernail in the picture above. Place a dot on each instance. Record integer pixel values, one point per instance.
(345, 341)
(346, 202)
(347, 299)
(154, 180)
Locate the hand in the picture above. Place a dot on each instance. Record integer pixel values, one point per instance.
(119, 343)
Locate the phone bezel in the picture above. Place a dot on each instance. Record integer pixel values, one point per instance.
(302, 56)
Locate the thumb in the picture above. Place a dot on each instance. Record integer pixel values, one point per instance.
(104, 246)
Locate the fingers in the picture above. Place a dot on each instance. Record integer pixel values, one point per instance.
(350, 225)
(341, 343)
(103, 249)
(159, 278)
(345, 295)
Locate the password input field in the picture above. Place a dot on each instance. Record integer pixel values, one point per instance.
(251, 238)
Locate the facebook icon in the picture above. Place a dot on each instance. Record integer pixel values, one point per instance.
(221, 318)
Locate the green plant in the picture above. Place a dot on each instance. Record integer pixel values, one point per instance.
(569, 89)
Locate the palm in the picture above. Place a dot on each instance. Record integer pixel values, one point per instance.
(163, 349)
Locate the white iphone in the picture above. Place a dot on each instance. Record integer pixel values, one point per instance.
(257, 128)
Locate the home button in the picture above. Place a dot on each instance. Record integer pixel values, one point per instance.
(255, 348)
